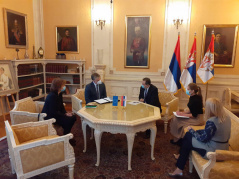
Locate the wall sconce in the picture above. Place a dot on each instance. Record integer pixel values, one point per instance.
(100, 23)
(177, 22)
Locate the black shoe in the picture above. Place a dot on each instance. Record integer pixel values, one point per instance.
(72, 142)
(179, 142)
(147, 134)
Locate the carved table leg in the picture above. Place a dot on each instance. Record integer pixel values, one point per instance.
(152, 140)
(130, 139)
(84, 133)
(98, 135)
(92, 134)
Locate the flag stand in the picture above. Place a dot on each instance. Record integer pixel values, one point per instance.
(206, 93)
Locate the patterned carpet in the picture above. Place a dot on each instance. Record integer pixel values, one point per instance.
(113, 164)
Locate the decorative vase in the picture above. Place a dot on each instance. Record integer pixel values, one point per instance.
(26, 56)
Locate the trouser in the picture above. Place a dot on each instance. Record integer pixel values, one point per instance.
(66, 122)
(185, 150)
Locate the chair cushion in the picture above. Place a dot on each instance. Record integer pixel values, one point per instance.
(28, 106)
(234, 142)
(41, 138)
(163, 111)
(221, 170)
(30, 133)
(15, 137)
(81, 95)
(42, 156)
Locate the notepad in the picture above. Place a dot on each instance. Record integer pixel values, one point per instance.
(109, 99)
(134, 102)
(175, 114)
(101, 101)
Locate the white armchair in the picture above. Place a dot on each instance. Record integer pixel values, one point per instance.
(169, 104)
(34, 148)
(78, 100)
(27, 110)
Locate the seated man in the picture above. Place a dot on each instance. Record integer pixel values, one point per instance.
(149, 94)
(95, 90)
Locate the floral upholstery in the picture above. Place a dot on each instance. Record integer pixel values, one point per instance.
(222, 164)
(30, 133)
(165, 97)
(42, 156)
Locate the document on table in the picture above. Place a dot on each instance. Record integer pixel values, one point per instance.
(134, 102)
(101, 101)
(109, 99)
(175, 114)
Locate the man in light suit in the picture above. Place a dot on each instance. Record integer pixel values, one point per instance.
(149, 95)
(95, 90)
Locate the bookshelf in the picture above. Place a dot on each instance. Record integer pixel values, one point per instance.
(34, 76)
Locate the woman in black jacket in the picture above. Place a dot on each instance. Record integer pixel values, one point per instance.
(54, 107)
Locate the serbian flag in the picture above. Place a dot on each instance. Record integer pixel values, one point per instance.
(189, 71)
(171, 80)
(206, 69)
(123, 101)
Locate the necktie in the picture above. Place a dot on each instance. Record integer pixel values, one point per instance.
(145, 94)
(97, 92)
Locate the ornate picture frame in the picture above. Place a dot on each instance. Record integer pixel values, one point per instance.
(8, 82)
(67, 39)
(15, 25)
(137, 41)
(224, 44)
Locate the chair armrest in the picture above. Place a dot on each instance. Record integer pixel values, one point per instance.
(209, 165)
(223, 155)
(76, 103)
(172, 106)
(58, 148)
(18, 117)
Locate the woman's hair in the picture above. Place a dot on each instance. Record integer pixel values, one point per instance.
(196, 88)
(215, 108)
(57, 84)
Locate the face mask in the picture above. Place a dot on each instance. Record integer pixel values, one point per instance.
(187, 92)
(142, 86)
(99, 82)
(63, 89)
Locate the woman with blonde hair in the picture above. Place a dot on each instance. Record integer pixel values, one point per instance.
(193, 114)
(214, 136)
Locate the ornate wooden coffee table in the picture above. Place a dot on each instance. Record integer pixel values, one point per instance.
(129, 121)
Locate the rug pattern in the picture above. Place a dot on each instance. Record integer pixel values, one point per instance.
(113, 163)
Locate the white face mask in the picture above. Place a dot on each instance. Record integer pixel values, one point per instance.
(99, 82)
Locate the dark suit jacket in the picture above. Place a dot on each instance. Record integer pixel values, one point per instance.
(53, 106)
(90, 92)
(151, 97)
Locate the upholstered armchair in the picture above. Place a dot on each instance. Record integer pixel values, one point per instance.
(78, 100)
(229, 102)
(27, 110)
(222, 164)
(169, 104)
(34, 148)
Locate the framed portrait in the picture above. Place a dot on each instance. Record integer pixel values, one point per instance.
(15, 25)
(224, 44)
(8, 82)
(137, 41)
(67, 38)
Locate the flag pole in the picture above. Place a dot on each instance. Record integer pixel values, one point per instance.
(207, 82)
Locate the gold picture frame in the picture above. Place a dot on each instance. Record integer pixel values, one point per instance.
(137, 41)
(224, 44)
(15, 26)
(67, 39)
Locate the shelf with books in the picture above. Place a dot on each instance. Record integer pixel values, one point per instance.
(32, 74)
(32, 86)
(39, 73)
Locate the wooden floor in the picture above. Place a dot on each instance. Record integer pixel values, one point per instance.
(2, 125)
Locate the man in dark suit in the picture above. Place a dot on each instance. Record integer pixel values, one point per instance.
(95, 90)
(149, 94)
